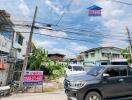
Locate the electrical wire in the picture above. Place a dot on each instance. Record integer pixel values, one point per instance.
(74, 39)
(64, 12)
(79, 33)
(76, 30)
(121, 2)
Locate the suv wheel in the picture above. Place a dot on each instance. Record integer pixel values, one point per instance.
(93, 96)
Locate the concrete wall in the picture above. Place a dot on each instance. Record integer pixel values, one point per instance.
(23, 46)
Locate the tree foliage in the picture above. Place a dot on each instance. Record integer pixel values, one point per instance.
(37, 59)
(126, 54)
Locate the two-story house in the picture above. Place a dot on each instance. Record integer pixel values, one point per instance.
(6, 37)
(13, 46)
(104, 54)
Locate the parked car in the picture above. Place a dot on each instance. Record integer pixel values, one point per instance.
(100, 83)
(73, 69)
(130, 65)
(88, 67)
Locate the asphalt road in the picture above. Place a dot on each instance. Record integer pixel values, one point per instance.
(60, 95)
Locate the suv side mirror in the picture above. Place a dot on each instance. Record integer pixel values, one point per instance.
(106, 75)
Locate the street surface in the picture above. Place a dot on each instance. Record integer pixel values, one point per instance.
(60, 95)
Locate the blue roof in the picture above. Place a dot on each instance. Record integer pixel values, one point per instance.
(94, 7)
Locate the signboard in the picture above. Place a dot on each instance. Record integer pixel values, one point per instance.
(94, 10)
(33, 78)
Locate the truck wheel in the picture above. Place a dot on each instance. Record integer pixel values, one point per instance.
(93, 96)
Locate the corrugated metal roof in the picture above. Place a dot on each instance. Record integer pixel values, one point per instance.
(93, 49)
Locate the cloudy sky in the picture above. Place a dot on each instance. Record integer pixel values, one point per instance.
(83, 31)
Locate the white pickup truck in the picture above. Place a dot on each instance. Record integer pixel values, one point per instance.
(73, 69)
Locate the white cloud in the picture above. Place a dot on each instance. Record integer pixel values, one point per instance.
(115, 43)
(53, 33)
(66, 52)
(44, 44)
(54, 7)
(110, 9)
(24, 8)
(115, 17)
(77, 47)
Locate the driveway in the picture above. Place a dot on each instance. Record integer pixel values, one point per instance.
(59, 95)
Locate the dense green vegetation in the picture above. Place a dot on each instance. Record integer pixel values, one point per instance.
(126, 54)
(39, 61)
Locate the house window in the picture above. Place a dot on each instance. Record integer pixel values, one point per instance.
(106, 55)
(19, 50)
(7, 34)
(92, 54)
(86, 55)
(19, 39)
(116, 56)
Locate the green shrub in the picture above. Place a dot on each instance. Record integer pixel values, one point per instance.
(53, 71)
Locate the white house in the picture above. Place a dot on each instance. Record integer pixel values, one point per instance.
(12, 44)
(101, 54)
(6, 34)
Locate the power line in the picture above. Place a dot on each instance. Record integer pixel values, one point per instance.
(67, 38)
(79, 33)
(64, 12)
(92, 42)
(71, 38)
(76, 30)
(117, 1)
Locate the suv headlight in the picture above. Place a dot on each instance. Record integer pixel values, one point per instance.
(77, 84)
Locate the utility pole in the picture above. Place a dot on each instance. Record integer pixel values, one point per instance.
(28, 46)
(130, 43)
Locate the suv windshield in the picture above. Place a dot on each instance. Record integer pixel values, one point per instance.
(95, 71)
(78, 68)
(119, 63)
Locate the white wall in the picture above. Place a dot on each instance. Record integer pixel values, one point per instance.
(23, 46)
(5, 44)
